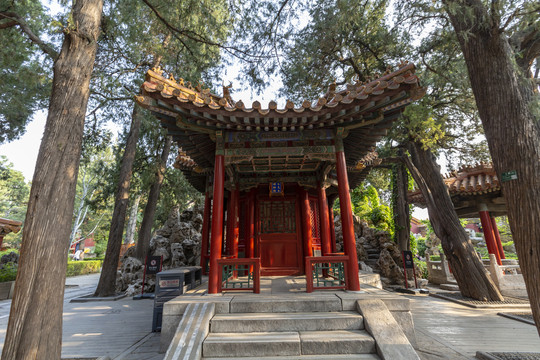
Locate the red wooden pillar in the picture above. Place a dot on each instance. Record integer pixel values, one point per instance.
(325, 221)
(349, 242)
(217, 223)
(229, 233)
(205, 231)
(250, 253)
(306, 223)
(332, 226)
(235, 194)
(497, 237)
(488, 235)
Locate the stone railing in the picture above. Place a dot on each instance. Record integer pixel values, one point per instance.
(507, 277)
(438, 271)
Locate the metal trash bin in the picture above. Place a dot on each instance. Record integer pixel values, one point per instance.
(194, 277)
(169, 284)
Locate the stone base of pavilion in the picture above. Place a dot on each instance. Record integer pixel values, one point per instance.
(385, 318)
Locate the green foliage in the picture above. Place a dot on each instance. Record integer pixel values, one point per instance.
(429, 228)
(24, 72)
(8, 272)
(414, 245)
(342, 40)
(421, 268)
(421, 246)
(367, 205)
(504, 228)
(8, 251)
(75, 268)
(101, 246)
(14, 193)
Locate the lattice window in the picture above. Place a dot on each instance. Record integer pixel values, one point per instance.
(277, 217)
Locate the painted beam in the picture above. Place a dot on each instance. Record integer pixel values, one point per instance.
(281, 151)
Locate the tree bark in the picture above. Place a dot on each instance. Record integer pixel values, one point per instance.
(401, 207)
(505, 101)
(132, 222)
(107, 280)
(35, 323)
(467, 268)
(150, 210)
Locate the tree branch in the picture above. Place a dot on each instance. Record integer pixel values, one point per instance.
(46, 48)
(197, 37)
(8, 24)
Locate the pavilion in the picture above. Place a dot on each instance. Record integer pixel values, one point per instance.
(475, 192)
(8, 226)
(271, 175)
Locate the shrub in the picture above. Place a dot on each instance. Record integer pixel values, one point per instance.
(421, 246)
(8, 251)
(8, 272)
(413, 244)
(75, 268)
(421, 268)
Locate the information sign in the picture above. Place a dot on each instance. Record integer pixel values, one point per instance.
(153, 264)
(408, 260)
(509, 175)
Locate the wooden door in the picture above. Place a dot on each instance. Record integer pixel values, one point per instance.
(280, 247)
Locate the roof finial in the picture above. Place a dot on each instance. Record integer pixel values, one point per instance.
(227, 93)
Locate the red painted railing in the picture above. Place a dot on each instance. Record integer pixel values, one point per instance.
(326, 272)
(228, 270)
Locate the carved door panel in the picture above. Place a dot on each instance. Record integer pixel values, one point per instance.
(280, 247)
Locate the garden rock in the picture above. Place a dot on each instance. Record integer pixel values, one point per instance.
(178, 241)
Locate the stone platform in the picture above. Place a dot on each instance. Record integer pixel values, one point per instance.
(284, 306)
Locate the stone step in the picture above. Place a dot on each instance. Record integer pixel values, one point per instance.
(281, 304)
(299, 321)
(374, 256)
(235, 345)
(373, 251)
(336, 342)
(304, 357)
(371, 262)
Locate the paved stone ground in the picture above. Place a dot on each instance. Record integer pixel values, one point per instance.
(119, 329)
(454, 331)
(122, 329)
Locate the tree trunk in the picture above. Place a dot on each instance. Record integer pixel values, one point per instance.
(35, 323)
(107, 279)
(150, 210)
(467, 268)
(401, 207)
(132, 222)
(505, 100)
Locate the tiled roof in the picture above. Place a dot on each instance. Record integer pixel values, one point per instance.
(211, 111)
(8, 226)
(467, 181)
(192, 116)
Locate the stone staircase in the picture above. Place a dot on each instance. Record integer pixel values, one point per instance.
(293, 335)
(373, 256)
(301, 327)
